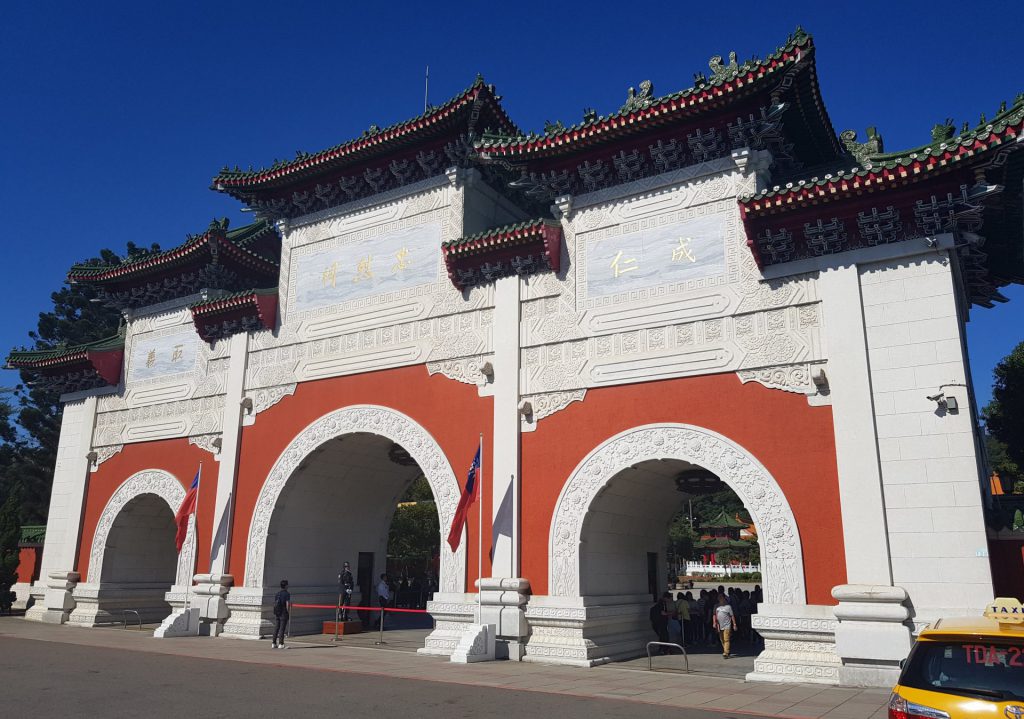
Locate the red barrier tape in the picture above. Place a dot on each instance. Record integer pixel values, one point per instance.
(366, 609)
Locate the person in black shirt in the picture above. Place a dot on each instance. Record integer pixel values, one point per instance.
(345, 585)
(282, 610)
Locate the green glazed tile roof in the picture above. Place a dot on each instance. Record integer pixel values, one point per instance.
(25, 359)
(32, 534)
(224, 302)
(724, 520)
(241, 239)
(526, 228)
(373, 138)
(719, 85)
(1007, 126)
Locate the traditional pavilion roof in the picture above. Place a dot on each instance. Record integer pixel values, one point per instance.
(521, 248)
(247, 311)
(217, 258)
(32, 534)
(77, 367)
(723, 543)
(774, 103)
(969, 183)
(377, 160)
(724, 521)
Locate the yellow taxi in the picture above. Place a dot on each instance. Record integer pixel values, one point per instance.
(970, 667)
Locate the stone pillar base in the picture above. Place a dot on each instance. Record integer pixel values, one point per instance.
(476, 645)
(799, 644)
(210, 593)
(22, 595)
(503, 600)
(453, 615)
(873, 634)
(53, 600)
(182, 623)
(250, 610)
(587, 631)
(105, 603)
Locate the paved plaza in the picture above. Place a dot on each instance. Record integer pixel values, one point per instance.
(127, 672)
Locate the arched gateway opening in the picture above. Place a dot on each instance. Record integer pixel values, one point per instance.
(608, 533)
(331, 497)
(133, 562)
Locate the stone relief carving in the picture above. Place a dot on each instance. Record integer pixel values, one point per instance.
(209, 442)
(264, 399)
(545, 405)
(150, 481)
(781, 550)
(193, 416)
(105, 453)
(788, 378)
(361, 418)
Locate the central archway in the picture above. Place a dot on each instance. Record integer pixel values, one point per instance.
(781, 551)
(360, 420)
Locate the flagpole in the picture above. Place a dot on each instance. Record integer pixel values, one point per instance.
(195, 539)
(480, 540)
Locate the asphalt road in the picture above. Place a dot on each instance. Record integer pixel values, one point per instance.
(67, 680)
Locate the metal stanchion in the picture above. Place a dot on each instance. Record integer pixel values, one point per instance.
(381, 639)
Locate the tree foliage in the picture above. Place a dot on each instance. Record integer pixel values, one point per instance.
(30, 426)
(1004, 415)
(415, 533)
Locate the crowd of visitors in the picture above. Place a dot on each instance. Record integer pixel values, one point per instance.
(714, 617)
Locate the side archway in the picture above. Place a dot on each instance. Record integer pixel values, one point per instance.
(779, 538)
(150, 481)
(371, 419)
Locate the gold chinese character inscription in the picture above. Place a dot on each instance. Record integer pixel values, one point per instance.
(151, 358)
(622, 266)
(683, 251)
(401, 260)
(330, 275)
(177, 353)
(364, 270)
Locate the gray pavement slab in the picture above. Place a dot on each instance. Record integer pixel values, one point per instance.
(353, 664)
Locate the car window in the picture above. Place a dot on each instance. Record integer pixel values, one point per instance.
(989, 666)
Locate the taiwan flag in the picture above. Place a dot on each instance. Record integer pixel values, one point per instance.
(187, 508)
(465, 502)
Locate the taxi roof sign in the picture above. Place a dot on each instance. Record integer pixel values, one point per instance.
(1006, 610)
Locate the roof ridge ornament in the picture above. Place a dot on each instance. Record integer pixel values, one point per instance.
(862, 151)
(639, 101)
(944, 131)
(720, 71)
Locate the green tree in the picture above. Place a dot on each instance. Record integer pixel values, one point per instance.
(10, 532)
(999, 460)
(415, 532)
(1004, 415)
(29, 432)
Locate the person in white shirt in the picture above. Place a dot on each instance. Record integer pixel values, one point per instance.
(725, 623)
(383, 597)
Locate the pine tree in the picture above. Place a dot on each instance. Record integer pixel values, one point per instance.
(10, 533)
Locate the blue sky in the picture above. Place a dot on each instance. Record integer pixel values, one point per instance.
(117, 115)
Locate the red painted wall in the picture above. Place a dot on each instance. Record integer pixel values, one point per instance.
(452, 412)
(29, 561)
(175, 456)
(793, 440)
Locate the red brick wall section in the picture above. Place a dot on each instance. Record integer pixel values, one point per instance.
(793, 440)
(452, 412)
(29, 559)
(175, 456)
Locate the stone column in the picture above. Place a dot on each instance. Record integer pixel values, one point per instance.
(53, 595)
(868, 631)
(504, 593)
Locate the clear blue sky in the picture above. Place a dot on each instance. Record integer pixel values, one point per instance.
(116, 115)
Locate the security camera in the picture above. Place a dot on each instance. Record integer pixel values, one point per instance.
(935, 397)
